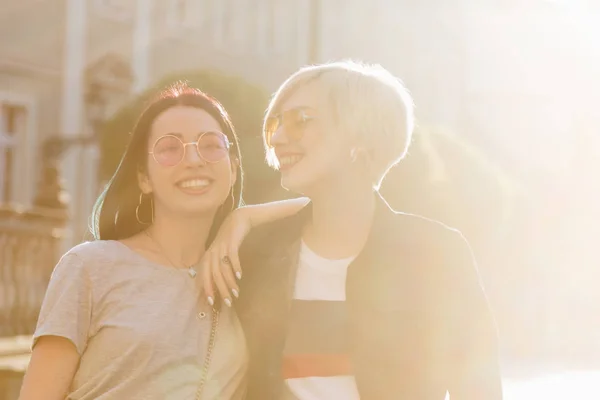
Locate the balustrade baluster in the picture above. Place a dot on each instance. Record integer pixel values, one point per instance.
(28, 253)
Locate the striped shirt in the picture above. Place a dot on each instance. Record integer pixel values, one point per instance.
(316, 362)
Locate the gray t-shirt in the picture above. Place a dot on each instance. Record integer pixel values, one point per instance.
(141, 329)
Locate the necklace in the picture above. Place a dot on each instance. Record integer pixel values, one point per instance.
(190, 270)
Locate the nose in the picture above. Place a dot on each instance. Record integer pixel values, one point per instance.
(279, 137)
(191, 155)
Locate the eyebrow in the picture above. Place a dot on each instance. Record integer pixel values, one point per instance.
(179, 135)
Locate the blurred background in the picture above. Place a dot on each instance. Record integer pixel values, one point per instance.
(507, 146)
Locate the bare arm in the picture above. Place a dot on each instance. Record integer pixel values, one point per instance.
(61, 333)
(268, 212)
(222, 274)
(53, 364)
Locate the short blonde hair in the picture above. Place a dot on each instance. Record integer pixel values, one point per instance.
(368, 103)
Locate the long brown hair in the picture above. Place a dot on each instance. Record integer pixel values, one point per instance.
(114, 214)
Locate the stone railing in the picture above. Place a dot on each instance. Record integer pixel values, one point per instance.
(30, 245)
(14, 358)
(29, 249)
(31, 239)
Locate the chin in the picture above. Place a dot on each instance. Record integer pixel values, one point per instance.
(198, 212)
(297, 183)
(199, 208)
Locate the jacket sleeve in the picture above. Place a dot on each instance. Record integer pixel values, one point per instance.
(474, 371)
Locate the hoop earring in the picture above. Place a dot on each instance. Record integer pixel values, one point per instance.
(232, 201)
(137, 211)
(231, 185)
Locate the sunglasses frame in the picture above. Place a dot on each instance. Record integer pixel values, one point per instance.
(269, 133)
(185, 145)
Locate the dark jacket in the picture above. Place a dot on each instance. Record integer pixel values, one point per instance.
(420, 322)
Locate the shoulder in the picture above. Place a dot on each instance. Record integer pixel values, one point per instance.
(96, 250)
(426, 233)
(401, 231)
(92, 256)
(440, 258)
(432, 247)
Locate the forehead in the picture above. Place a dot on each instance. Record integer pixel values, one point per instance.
(185, 120)
(309, 95)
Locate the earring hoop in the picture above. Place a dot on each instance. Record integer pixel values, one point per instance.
(231, 185)
(137, 210)
(232, 200)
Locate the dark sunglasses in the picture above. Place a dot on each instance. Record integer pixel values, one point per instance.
(169, 150)
(293, 122)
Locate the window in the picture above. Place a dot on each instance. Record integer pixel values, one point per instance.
(17, 148)
(11, 119)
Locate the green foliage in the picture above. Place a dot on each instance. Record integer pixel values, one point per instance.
(446, 178)
(245, 103)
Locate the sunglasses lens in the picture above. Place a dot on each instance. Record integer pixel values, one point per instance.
(168, 151)
(271, 127)
(293, 122)
(213, 146)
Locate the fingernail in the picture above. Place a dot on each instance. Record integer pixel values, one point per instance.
(238, 275)
(211, 301)
(228, 302)
(235, 293)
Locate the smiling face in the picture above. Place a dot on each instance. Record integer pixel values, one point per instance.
(311, 152)
(185, 178)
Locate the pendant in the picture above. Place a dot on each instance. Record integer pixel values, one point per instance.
(192, 272)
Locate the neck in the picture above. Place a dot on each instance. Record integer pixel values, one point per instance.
(341, 219)
(181, 238)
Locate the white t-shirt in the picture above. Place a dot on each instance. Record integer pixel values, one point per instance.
(316, 357)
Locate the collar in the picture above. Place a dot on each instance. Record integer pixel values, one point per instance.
(383, 220)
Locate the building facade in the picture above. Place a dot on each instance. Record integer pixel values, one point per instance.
(516, 79)
(53, 45)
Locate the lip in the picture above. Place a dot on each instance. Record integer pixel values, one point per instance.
(192, 177)
(280, 154)
(288, 154)
(195, 191)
